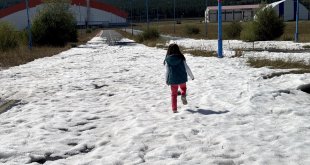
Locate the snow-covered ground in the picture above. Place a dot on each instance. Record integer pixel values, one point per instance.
(100, 104)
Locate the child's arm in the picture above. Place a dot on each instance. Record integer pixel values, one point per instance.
(167, 71)
(188, 70)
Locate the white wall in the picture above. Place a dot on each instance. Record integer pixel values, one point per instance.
(80, 14)
(19, 19)
(288, 11)
(289, 14)
(103, 16)
(304, 12)
(239, 15)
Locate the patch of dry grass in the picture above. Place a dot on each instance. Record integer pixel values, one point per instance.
(238, 53)
(277, 74)
(300, 66)
(22, 54)
(290, 28)
(278, 63)
(200, 53)
(167, 27)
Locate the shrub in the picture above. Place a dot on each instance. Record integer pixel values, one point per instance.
(248, 33)
(270, 26)
(88, 30)
(54, 25)
(266, 26)
(191, 30)
(23, 37)
(148, 34)
(233, 30)
(8, 37)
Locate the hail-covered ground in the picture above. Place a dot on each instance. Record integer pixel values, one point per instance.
(109, 105)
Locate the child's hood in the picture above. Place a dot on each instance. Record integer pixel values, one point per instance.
(173, 59)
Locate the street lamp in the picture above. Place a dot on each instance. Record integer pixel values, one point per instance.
(29, 26)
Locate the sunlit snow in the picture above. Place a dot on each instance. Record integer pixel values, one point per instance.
(101, 104)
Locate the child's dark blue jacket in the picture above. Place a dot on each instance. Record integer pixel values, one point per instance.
(177, 70)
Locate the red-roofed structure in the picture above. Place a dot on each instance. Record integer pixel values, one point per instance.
(86, 12)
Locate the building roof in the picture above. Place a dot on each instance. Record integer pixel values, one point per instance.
(275, 3)
(236, 7)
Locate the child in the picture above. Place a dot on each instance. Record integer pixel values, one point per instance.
(176, 74)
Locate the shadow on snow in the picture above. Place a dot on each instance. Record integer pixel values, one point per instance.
(206, 112)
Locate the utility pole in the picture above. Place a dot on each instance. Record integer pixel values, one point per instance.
(206, 20)
(80, 23)
(174, 16)
(29, 26)
(147, 13)
(88, 14)
(297, 17)
(131, 17)
(220, 41)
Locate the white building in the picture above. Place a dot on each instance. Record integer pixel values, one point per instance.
(287, 9)
(284, 8)
(86, 12)
(231, 13)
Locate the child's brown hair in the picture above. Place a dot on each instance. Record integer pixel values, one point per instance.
(174, 49)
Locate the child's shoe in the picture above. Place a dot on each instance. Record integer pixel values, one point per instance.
(183, 98)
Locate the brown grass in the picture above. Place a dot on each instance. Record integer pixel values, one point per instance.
(238, 53)
(200, 53)
(277, 74)
(278, 63)
(167, 27)
(22, 54)
(304, 31)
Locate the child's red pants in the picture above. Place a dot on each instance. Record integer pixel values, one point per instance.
(174, 94)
